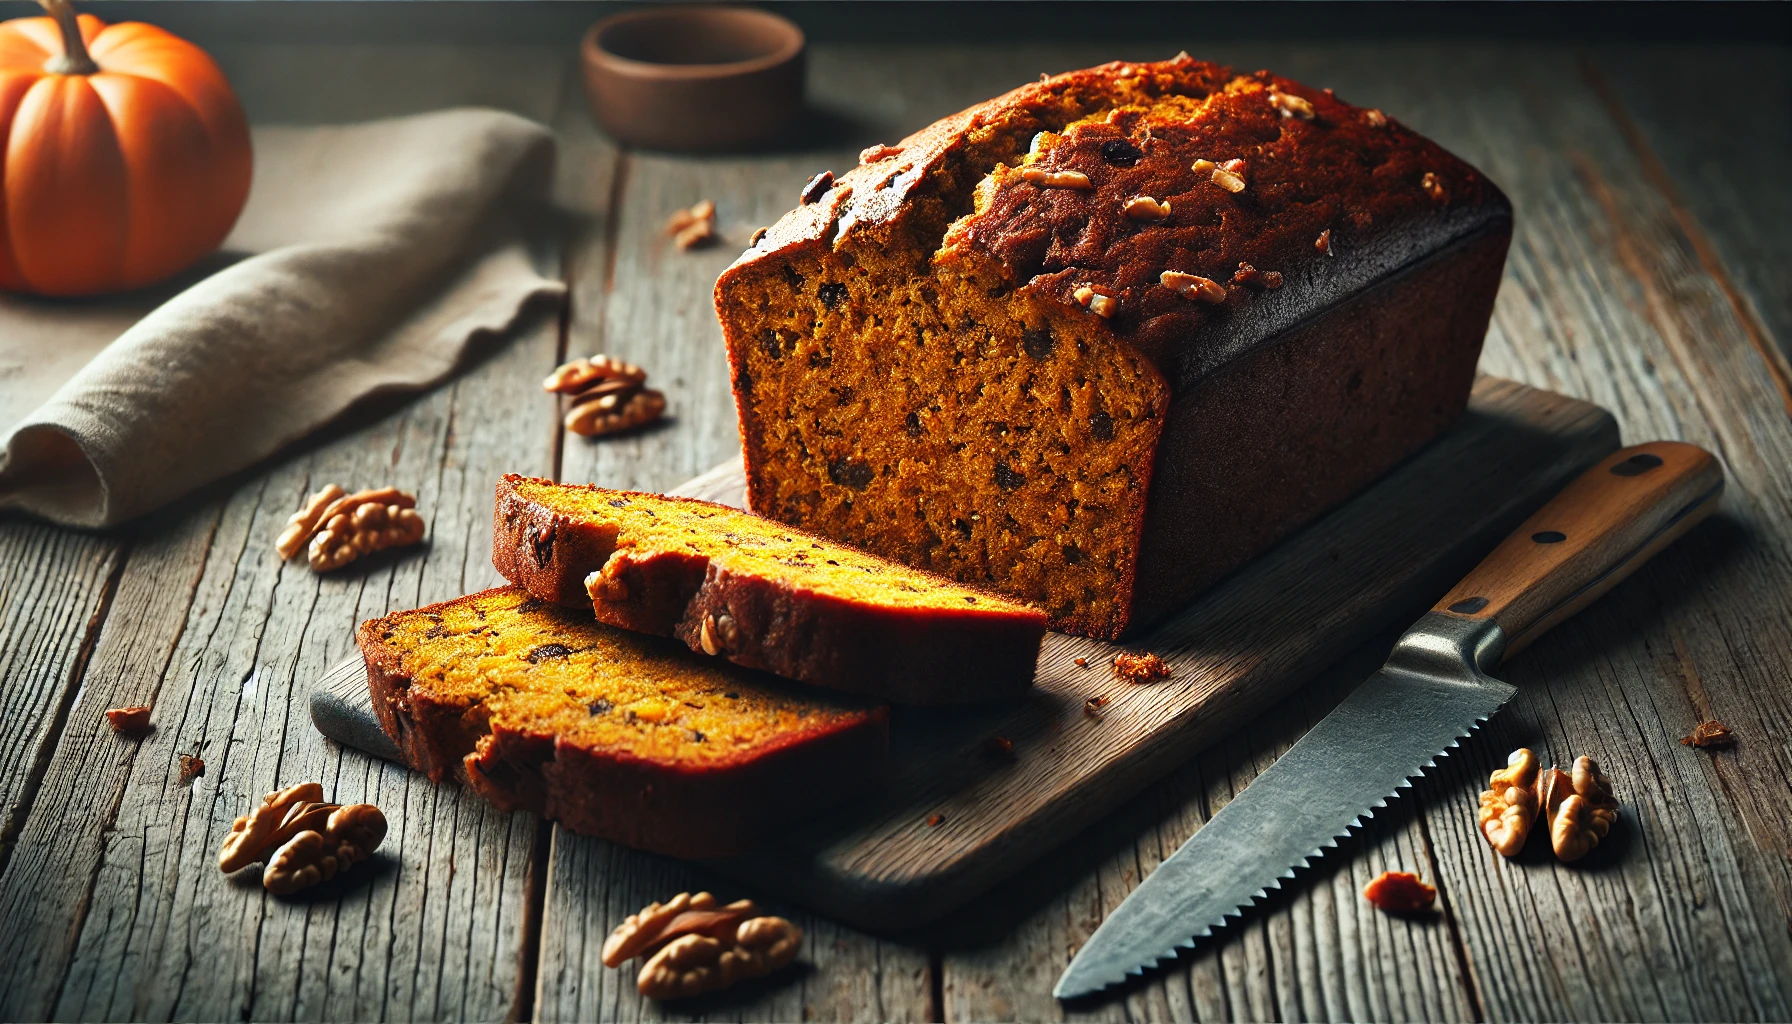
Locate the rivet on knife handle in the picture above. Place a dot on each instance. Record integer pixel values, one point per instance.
(1598, 530)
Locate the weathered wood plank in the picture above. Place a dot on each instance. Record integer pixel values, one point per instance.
(636, 295)
(115, 908)
(1719, 164)
(53, 591)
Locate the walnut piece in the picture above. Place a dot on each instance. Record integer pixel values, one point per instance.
(694, 964)
(1375, 118)
(362, 523)
(1227, 180)
(1711, 735)
(1055, 179)
(1289, 105)
(1146, 209)
(347, 836)
(1399, 892)
(1585, 815)
(693, 226)
(127, 721)
(1324, 242)
(610, 415)
(252, 836)
(656, 925)
(578, 375)
(1104, 306)
(191, 767)
(718, 634)
(305, 521)
(872, 154)
(1509, 804)
(1434, 187)
(1193, 286)
(608, 395)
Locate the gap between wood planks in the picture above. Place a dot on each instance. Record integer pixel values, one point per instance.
(40, 763)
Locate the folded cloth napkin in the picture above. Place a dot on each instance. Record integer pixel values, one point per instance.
(368, 261)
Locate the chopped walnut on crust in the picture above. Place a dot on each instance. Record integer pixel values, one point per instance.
(1193, 286)
(1509, 804)
(1104, 306)
(133, 719)
(1140, 668)
(1055, 179)
(1375, 118)
(1434, 187)
(1289, 105)
(1145, 208)
(1399, 892)
(1324, 242)
(872, 154)
(1709, 735)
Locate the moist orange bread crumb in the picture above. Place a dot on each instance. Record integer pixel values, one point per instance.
(1100, 340)
(614, 733)
(762, 594)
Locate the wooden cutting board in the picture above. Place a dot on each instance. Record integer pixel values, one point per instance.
(1242, 646)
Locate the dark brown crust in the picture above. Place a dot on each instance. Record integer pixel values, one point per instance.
(911, 656)
(1389, 198)
(682, 811)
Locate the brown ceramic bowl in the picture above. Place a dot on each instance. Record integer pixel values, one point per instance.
(693, 78)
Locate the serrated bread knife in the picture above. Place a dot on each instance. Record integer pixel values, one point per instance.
(1432, 693)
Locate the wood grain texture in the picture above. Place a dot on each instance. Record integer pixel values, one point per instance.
(113, 902)
(53, 592)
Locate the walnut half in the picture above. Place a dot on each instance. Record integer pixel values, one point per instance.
(1585, 815)
(694, 964)
(348, 836)
(1509, 804)
(658, 924)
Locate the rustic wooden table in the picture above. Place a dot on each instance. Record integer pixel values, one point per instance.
(1648, 275)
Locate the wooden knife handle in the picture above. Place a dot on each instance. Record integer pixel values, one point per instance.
(1598, 530)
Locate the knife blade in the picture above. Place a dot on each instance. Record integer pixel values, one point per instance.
(1433, 692)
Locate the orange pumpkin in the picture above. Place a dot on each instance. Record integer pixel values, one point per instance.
(126, 154)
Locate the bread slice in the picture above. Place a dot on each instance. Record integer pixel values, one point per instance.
(614, 734)
(762, 594)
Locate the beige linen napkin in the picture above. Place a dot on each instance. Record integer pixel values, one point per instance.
(369, 259)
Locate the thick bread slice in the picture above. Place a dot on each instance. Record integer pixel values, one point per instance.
(763, 594)
(612, 733)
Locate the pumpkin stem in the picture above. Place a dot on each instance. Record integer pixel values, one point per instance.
(74, 59)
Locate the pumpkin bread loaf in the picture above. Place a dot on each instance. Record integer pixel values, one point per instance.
(762, 594)
(612, 733)
(1098, 341)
